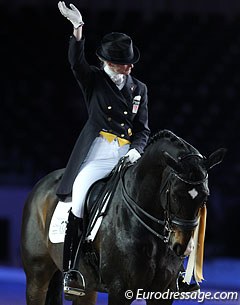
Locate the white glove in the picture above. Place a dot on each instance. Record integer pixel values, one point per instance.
(72, 14)
(133, 155)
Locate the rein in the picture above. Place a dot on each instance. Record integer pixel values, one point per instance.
(168, 220)
(131, 204)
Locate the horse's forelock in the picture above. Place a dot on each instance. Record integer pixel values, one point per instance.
(194, 169)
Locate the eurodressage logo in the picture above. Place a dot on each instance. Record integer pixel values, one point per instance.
(194, 295)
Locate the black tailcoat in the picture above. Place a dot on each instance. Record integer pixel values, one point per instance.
(109, 109)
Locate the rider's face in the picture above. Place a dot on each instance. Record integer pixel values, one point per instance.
(121, 69)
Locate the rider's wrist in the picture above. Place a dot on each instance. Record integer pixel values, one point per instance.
(78, 25)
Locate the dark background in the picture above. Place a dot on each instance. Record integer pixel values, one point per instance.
(190, 54)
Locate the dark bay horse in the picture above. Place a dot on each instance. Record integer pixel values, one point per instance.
(142, 239)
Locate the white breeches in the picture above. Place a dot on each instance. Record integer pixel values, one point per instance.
(100, 160)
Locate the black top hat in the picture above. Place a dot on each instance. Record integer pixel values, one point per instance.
(118, 49)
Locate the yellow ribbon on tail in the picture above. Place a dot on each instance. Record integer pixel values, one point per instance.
(195, 260)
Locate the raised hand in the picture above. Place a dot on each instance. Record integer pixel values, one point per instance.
(72, 14)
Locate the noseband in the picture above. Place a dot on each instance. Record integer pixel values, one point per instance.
(169, 219)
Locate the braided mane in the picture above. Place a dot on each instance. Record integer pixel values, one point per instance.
(180, 150)
(169, 135)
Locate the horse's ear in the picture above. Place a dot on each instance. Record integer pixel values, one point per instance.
(215, 158)
(170, 161)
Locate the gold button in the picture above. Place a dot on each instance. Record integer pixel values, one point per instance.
(125, 112)
(122, 124)
(109, 107)
(109, 119)
(122, 135)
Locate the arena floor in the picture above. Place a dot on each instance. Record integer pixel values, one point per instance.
(221, 276)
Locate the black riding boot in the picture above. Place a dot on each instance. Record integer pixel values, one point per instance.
(74, 284)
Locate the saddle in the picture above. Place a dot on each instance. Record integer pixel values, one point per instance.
(100, 195)
(97, 203)
(94, 194)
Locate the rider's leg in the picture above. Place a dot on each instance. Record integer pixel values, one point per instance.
(92, 172)
(73, 280)
(101, 159)
(93, 169)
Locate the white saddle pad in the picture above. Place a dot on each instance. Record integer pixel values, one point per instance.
(59, 221)
(60, 217)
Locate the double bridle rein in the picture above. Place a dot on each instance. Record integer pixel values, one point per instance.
(169, 219)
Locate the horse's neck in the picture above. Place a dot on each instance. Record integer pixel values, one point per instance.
(143, 182)
(145, 178)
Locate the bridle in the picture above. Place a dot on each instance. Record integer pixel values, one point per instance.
(169, 219)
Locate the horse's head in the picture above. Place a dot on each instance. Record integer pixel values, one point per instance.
(170, 187)
(184, 192)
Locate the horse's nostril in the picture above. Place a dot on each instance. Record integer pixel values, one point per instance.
(177, 248)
